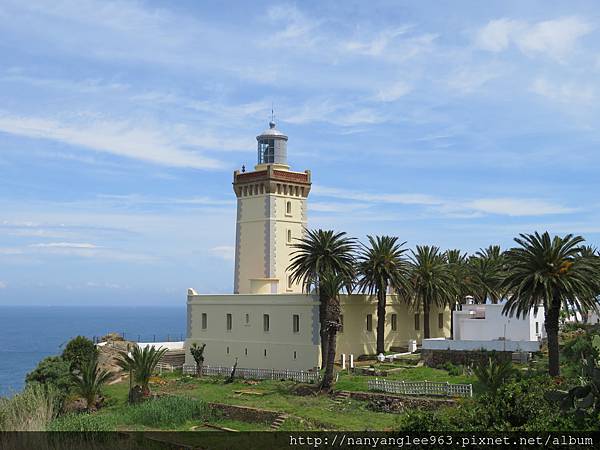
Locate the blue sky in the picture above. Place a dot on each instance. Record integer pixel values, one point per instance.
(459, 124)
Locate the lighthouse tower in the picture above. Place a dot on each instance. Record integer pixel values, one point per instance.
(271, 215)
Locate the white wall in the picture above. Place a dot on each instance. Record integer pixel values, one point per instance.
(499, 346)
(495, 325)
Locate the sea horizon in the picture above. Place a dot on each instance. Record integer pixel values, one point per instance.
(31, 333)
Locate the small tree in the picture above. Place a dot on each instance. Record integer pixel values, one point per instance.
(198, 355)
(141, 364)
(232, 374)
(79, 351)
(89, 382)
(493, 373)
(53, 372)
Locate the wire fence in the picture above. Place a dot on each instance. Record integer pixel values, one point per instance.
(137, 337)
(421, 388)
(301, 376)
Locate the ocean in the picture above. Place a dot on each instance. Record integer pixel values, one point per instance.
(30, 333)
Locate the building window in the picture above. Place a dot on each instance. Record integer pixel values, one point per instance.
(289, 283)
(228, 322)
(537, 328)
(441, 320)
(265, 352)
(295, 355)
(289, 236)
(341, 330)
(296, 323)
(246, 351)
(247, 319)
(369, 322)
(204, 321)
(417, 322)
(288, 208)
(394, 322)
(266, 323)
(228, 350)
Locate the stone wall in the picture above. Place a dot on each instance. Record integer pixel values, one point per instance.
(436, 358)
(402, 402)
(245, 413)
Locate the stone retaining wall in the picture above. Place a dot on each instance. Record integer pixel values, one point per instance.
(245, 413)
(436, 358)
(405, 401)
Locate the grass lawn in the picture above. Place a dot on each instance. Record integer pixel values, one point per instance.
(351, 382)
(312, 412)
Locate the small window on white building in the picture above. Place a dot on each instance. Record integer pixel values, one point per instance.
(266, 323)
(289, 236)
(246, 351)
(288, 208)
(289, 283)
(537, 328)
(228, 322)
(394, 322)
(440, 320)
(247, 319)
(295, 355)
(296, 323)
(204, 321)
(417, 322)
(228, 350)
(265, 352)
(369, 322)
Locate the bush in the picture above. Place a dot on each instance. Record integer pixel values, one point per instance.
(53, 372)
(453, 369)
(30, 410)
(79, 351)
(167, 412)
(83, 422)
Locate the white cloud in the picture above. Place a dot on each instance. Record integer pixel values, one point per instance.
(3, 285)
(403, 199)
(497, 34)
(517, 207)
(119, 138)
(469, 79)
(225, 252)
(77, 245)
(378, 44)
(393, 92)
(569, 92)
(554, 38)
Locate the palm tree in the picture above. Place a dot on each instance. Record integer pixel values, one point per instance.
(457, 263)
(141, 364)
(431, 281)
(317, 253)
(551, 272)
(331, 286)
(381, 266)
(486, 274)
(90, 380)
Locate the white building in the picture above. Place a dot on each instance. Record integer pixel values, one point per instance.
(484, 326)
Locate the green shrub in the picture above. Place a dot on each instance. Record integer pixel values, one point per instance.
(79, 351)
(52, 372)
(167, 412)
(453, 369)
(30, 410)
(493, 373)
(83, 422)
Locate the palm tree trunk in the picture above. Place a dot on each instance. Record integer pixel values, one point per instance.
(551, 324)
(323, 327)
(381, 299)
(454, 307)
(327, 382)
(426, 330)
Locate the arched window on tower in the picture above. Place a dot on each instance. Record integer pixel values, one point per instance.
(288, 208)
